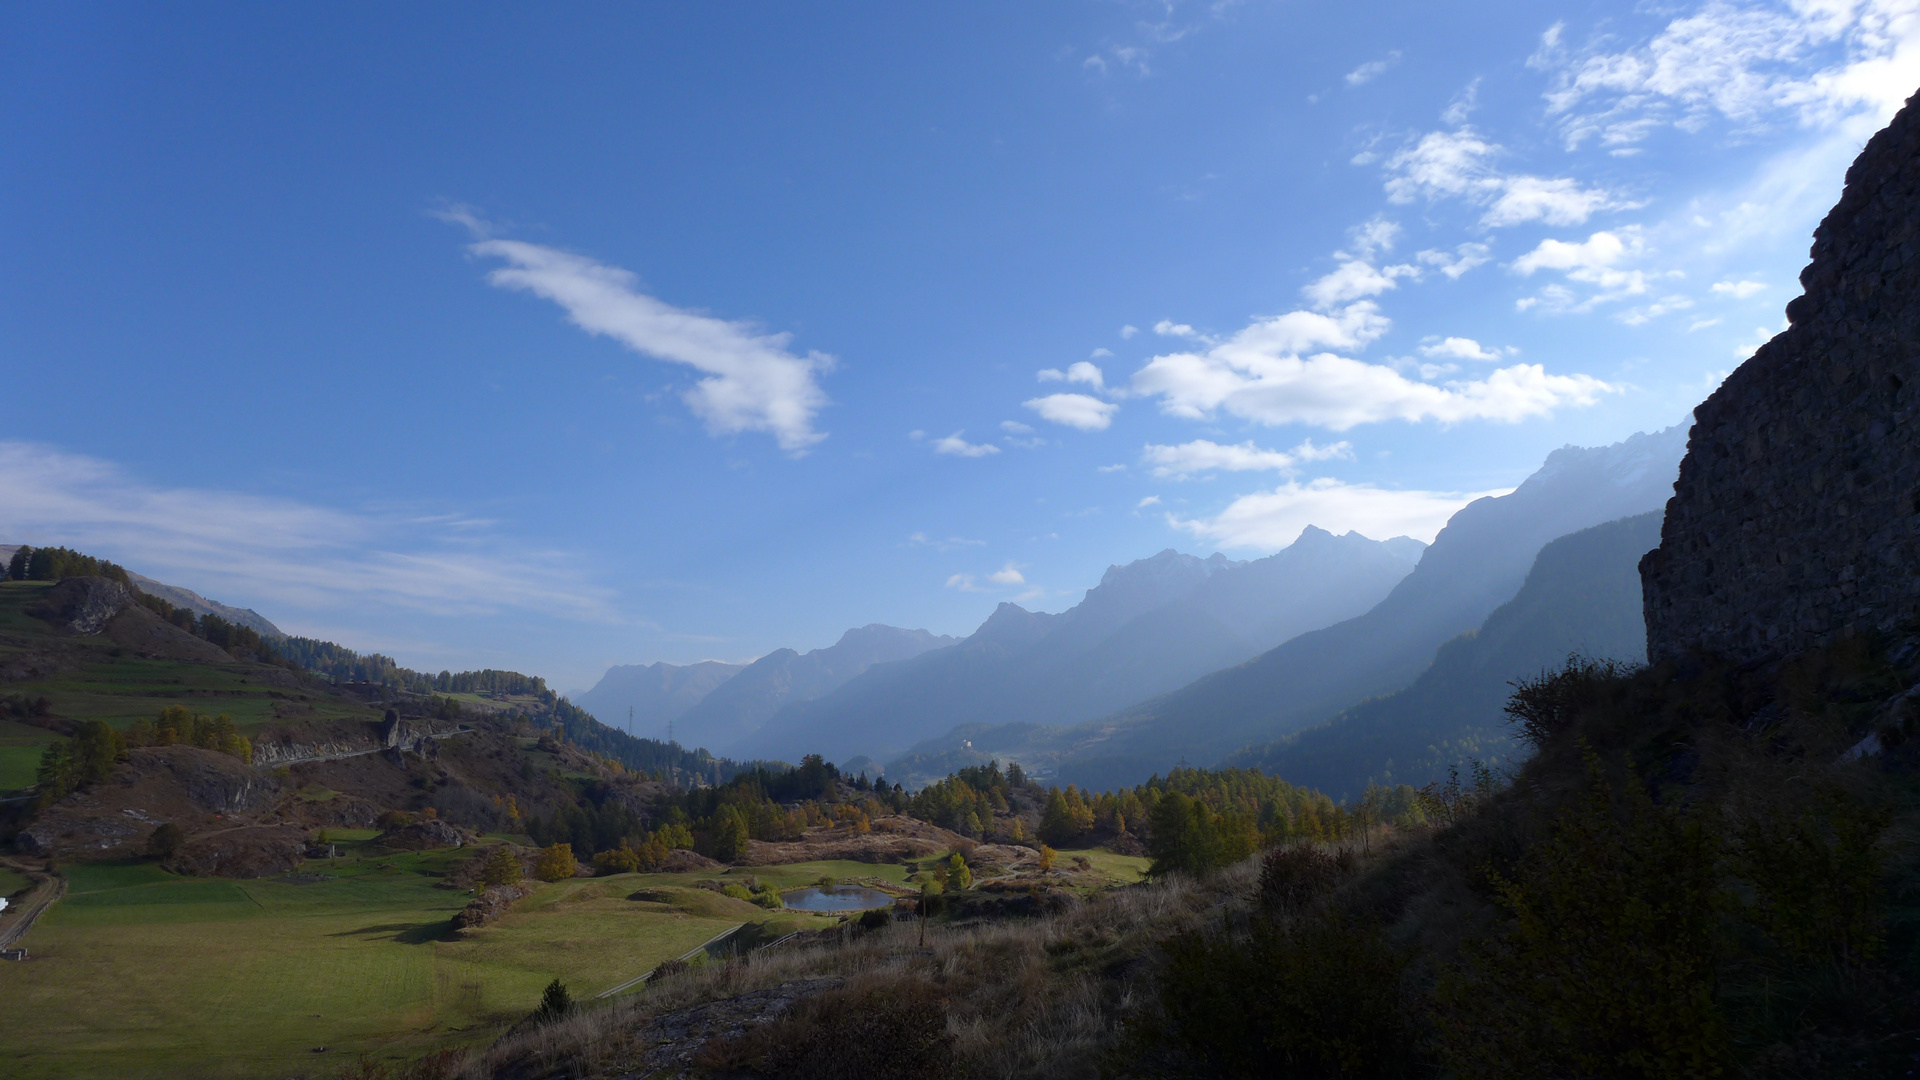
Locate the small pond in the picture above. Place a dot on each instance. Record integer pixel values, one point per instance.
(838, 898)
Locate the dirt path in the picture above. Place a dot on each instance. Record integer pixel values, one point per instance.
(50, 888)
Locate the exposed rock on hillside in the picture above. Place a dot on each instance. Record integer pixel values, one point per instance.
(1796, 518)
(182, 784)
(251, 851)
(422, 836)
(83, 605)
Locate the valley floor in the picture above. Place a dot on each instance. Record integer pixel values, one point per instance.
(142, 973)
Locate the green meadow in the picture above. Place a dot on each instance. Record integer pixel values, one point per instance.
(139, 973)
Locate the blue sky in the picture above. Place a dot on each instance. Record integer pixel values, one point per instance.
(494, 336)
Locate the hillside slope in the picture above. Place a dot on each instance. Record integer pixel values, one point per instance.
(1582, 596)
(1477, 563)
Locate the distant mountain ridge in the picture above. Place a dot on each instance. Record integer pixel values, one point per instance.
(1477, 563)
(1582, 596)
(1148, 626)
(648, 697)
(737, 708)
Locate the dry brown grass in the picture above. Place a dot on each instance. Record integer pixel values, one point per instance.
(1039, 997)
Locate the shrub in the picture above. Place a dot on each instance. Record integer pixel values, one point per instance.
(1047, 855)
(1291, 876)
(875, 918)
(556, 863)
(1547, 704)
(502, 867)
(555, 1002)
(620, 860)
(1609, 964)
(394, 819)
(1318, 996)
(896, 1029)
(165, 840)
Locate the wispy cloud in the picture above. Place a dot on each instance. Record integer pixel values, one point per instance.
(1813, 62)
(958, 447)
(254, 549)
(1270, 520)
(752, 381)
(1204, 456)
(1372, 69)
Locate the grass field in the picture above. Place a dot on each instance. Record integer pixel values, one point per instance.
(141, 973)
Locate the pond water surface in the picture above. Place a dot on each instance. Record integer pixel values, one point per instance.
(838, 898)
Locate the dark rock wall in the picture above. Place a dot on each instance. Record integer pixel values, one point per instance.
(1796, 518)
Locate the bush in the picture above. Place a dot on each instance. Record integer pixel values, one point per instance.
(1312, 997)
(502, 867)
(1291, 876)
(875, 918)
(556, 863)
(1547, 704)
(165, 840)
(1608, 967)
(555, 1002)
(897, 1029)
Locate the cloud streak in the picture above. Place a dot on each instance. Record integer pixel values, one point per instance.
(750, 381)
(1204, 456)
(256, 549)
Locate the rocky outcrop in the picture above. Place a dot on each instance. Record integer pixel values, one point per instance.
(253, 851)
(489, 905)
(1796, 518)
(194, 788)
(83, 605)
(422, 836)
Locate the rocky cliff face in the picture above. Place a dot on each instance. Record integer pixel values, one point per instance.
(1796, 518)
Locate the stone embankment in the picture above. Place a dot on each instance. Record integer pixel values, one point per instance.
(1796, 518)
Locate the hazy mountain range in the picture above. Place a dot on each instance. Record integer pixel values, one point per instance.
(715, 705)
(1477, 563)
(1148, 627)
(1582, 596)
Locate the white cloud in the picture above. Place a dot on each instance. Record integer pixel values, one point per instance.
(1259, 374)
(959, 447)
(1354, 280)
(1169, 328)
(1812, 61)
(1086, 372)
(1594, 261)
(751, 381)
(1007, 575)
(1110, 468)
(1098, 353)
(1464, 258)
(1051, 374)
(1202, 455)
(1151, 500)
(1015, 427)
(1459, 164)
(254, 550)
(1641, 314)
(963, 582)
(1128, 331)
(1739, 290)
(1074, 410)
(1460, 348)
(1270, 520)
(1372, 69)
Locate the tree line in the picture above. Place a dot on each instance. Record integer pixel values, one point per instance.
(54, 563)
(88, 757)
